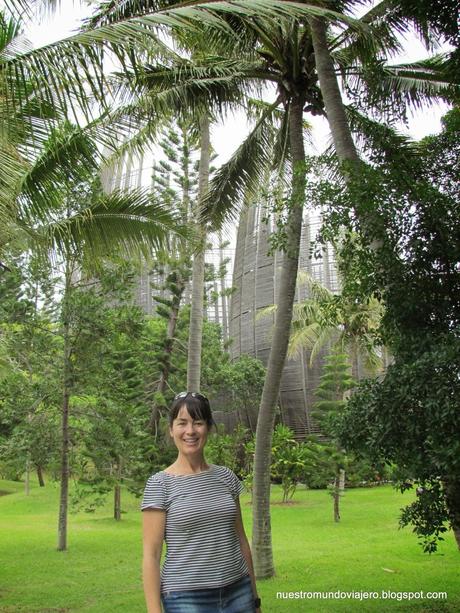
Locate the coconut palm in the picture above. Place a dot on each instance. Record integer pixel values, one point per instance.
(40, 156)
(331, 320)
(275, 46)
(223, 81)
(386, 86)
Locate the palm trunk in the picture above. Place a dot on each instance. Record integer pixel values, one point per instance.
(222, 292)
(335, 110)
(216, 302)
(261, 535)
(196, 311)
(64, 490)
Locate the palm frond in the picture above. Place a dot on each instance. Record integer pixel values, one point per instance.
(240, 177)
(266, 312)
(317, 290)
(374, 137)
(13, 168)
(57, 70)
(68, 156)
(11, 41)
(379, 39)
(128, 221)
(31, 8)
(325, 336)
(185, 83)
(301, 339)
(423, 81)
(312, 337)
(305, 312)
(113, 11)
(386, 88)
(372, 360)
(18, 8)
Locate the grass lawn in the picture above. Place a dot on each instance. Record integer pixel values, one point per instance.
(101, 571)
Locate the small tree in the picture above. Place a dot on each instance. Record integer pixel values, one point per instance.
(289, 461)
(335, 382)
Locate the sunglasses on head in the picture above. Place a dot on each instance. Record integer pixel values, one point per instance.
(192, 394)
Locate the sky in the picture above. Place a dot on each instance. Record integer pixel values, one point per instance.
(227, 135)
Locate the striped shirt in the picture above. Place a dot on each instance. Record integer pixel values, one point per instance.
(203, 549)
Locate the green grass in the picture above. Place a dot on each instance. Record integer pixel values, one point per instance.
(101, 571)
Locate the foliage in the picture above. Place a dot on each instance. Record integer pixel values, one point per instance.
(428, 514)
(28, 380)
(289, 461)
(241, 383)
(417, 402)
(335, 382)
(411, 417)
(229, 449)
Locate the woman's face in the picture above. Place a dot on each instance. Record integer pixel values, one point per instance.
(189, 435)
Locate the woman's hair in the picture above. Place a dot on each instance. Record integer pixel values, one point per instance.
(197, 406)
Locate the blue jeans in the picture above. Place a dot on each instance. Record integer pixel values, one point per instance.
(234, 598)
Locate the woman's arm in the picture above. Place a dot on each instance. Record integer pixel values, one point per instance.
(153, 521)
(245, 549)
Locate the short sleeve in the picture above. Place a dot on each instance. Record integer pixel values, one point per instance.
(235, 485)
(154, 493)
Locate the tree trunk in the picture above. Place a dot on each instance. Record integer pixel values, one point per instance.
(341, 480)
(216, 302)
(336, 497)
(196, 311)
(452, 494)
(64, 490)
(261, 535)
(117, 502)
(335, 110)
(41, 481)
(222, 291)
(27, 479)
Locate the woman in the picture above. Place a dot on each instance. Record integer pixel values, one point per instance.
(195, 508)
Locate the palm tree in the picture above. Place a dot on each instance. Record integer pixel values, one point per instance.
(46, 158)
(370, 75)
(40, 156)
(328, 319)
